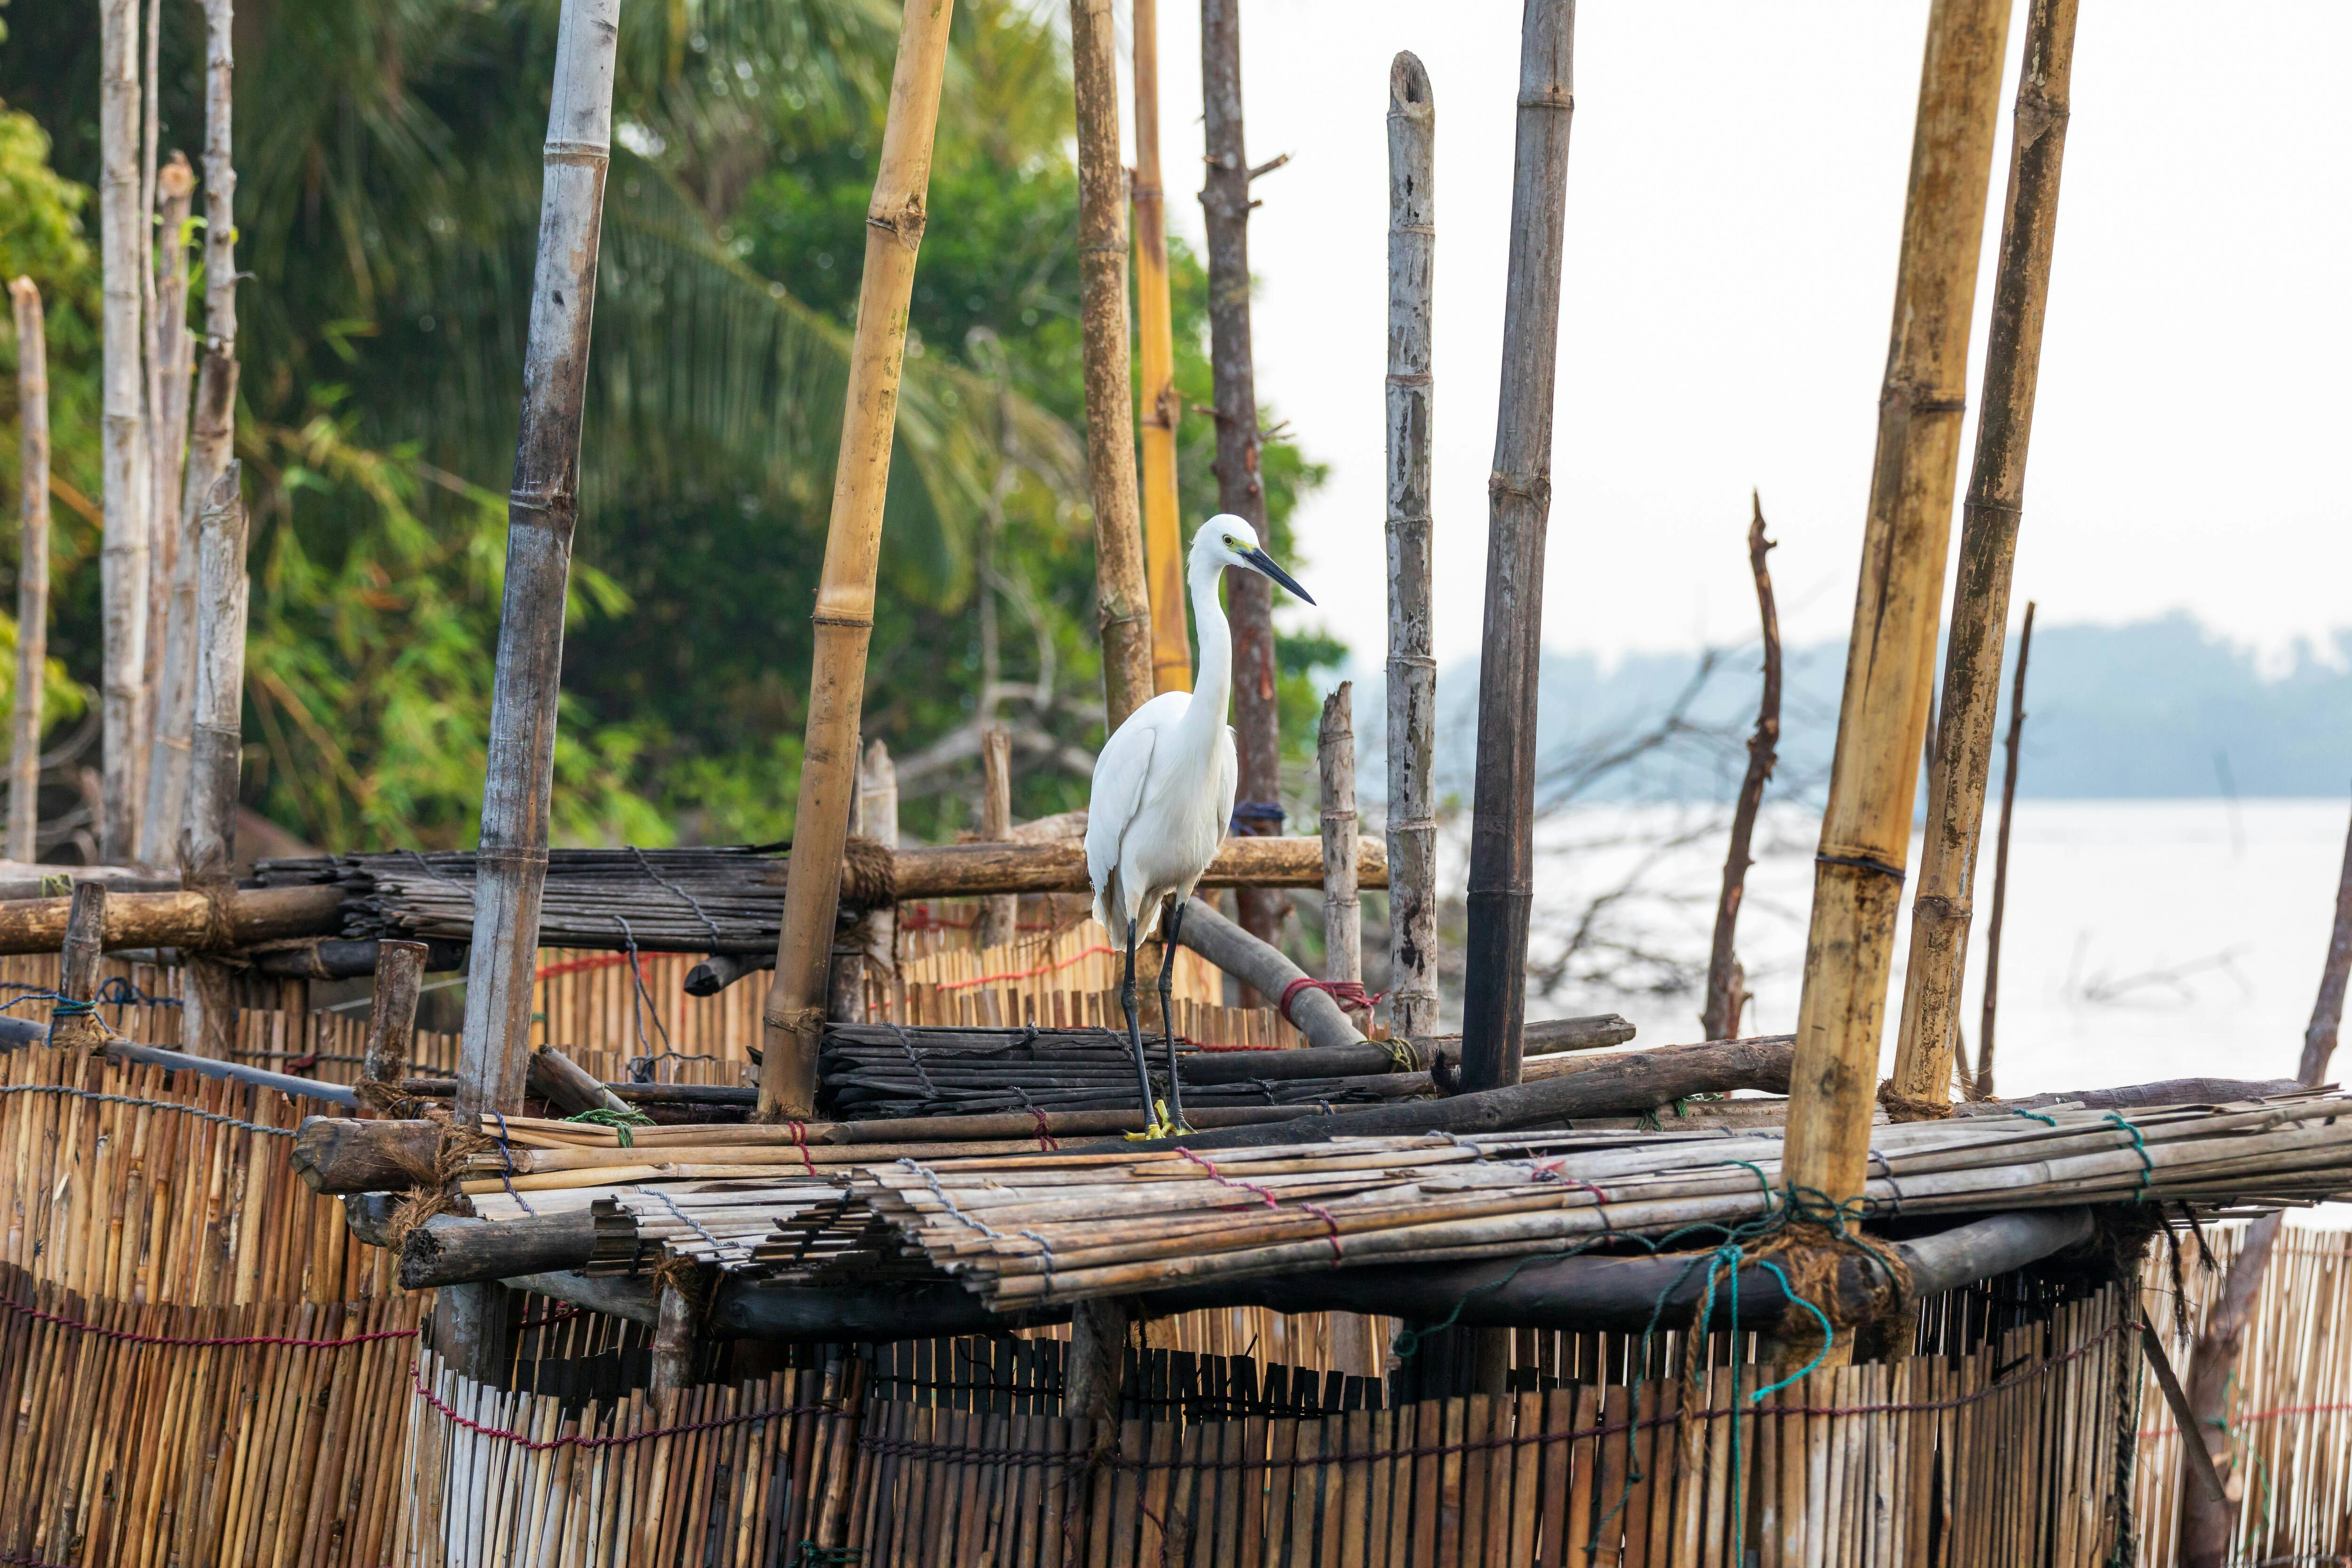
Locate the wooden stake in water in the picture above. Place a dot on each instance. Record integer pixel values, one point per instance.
(1519, 499)
(1412, 665)
(2001, 860)
(1890, 661)
(1962, 754)
(792, 1018)
(542, 510)
(32, 568)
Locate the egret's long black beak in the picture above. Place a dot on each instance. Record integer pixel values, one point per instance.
(1264, 562)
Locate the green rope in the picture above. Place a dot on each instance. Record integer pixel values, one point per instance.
(2139, 1146)
(619, 1121)
(2034, 1116)
(824, 1557)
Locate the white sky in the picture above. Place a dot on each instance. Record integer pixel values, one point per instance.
(1734, 200)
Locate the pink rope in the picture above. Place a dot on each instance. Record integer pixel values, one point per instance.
(124, 1336)
(542, 1445)
(1348, 994)
(1331, 1225)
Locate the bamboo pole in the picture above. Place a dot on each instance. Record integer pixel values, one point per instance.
(1727, 982)
(2001, 860)
(122, 553)
(1000, 917)
(391, 1016)
(32, 568)
(2207, 1523)
(1249, 598)
(1122, 597)
(793, 1014)
(1343, 914)
(541, 513)
(208, 841)
(211, 432)
(877, 818)
(1411, 827)
(1962, 756)
(1502, 833)
(1161, 410)
(169, 345)
(1890, 662)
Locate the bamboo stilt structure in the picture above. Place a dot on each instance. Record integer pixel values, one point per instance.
(2207, 1523)
(211, 432)
(1962, 756)
(1000, 915)
(1411, 827)
(32, 569)
(2001, 860)
(208, 841)
(1890, 663)
(793, 1015)
(1122, 595)
(122, 555)
(169, 345)
(1249, 598)
(1343, 913)
(1160, 410)
(1727, 984)
(1502, 833)
(541, 513)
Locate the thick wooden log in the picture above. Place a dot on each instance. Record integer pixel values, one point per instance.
(344, 1154)
(177, 919)
(1544, 1036)
(973, 870)
(459, 1254)
(2136, 1096)
(1264, 968)
(568, 1087)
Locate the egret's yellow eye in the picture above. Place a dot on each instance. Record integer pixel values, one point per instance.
(1230, 543)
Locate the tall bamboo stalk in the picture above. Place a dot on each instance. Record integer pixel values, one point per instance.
(208, 841)
(542, 510)
(1962, 756)
(1412, 664)
(211, 430)
(1727, 984)
(170, 345)
(792, 1018)
(32, 567)
(998, 914)
(2001, 860)
(1249, 598)
(1158, 407)
(1122, 597)
(122, 553)
(2206, 1522)
(1343, 912)
(1891, 659)
(1518, 498)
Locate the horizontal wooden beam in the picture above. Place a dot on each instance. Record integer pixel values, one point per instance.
(969, 870)
(178, 920)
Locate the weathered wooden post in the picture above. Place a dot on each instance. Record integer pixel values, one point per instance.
(391, 1010)
(1518, 495)
(72, 1021)
(1343, 912)
(122, 553)
(1122, 599)
(999, 914)
(1249, 598)
(791, 1019)
(208, 841)
(168, 348)
(32, 568)
(210, 433)
(1160, 410)
(1890, 661)
(1412, 664)
(1962, 754)
(542, 511)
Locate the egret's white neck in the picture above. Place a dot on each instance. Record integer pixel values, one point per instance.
(1213, 681)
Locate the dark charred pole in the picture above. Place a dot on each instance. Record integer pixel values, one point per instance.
(1727, 986)
(1518, 493)
(1249, 598)
(2001, 860)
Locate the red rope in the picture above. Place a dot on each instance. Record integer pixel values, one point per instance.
(575, 966)
(1026, 973)
(2271, 1415)
(800, 1141)
(1046, 1142)
(1331, 1225)
(622, 1440)
(1348, 994)
(125, 1336)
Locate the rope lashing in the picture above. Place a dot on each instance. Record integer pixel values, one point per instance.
(931, 1180)
(2139, 1147)
(1349, 994)
(684, 1218)
(617, 1121)
(71, 1092)
(1330, 1225)
(907, 1049)
(506, 1153)
(2033, 1116)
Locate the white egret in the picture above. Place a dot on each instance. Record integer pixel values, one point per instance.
(1163, 793)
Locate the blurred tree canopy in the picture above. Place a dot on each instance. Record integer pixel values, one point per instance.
(388, 163)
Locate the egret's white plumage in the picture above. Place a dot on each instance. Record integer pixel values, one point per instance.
(1163, 786)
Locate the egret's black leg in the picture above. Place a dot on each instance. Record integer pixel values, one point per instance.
(1134, 1030)
(1169, 928)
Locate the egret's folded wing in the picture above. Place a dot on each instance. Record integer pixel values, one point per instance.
(1120, 774)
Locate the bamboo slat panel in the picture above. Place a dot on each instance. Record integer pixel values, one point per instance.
(2290, 1409)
